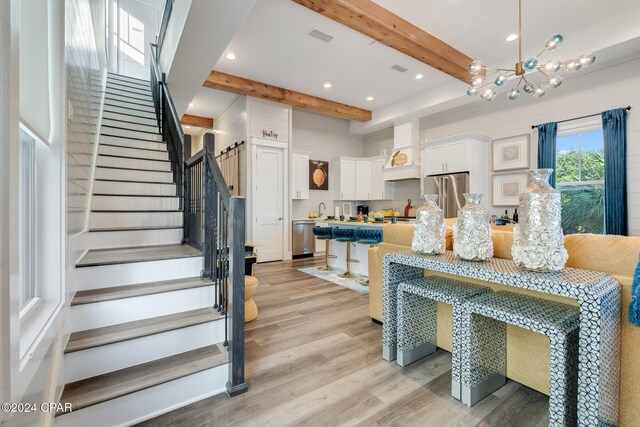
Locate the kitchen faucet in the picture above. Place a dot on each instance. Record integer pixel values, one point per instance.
(320, 206)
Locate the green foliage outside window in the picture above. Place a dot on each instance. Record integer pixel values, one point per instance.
(582, 204)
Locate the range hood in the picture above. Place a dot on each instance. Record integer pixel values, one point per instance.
(404, 162)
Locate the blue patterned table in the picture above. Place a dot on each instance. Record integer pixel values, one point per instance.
(598, 295)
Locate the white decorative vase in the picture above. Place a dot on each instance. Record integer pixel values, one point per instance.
(472, 233)
(429, 235)
(538, 242)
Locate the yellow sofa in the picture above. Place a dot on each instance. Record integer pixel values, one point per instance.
(528, 352)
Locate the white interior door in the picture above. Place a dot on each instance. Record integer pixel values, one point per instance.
(268, 203)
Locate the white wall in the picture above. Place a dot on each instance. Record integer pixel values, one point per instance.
(518, 119)
(323, 138)
(233, 127)
(30, 374)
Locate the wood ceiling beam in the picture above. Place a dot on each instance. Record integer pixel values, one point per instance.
(197, 121)
(372, 20)
(242, 86)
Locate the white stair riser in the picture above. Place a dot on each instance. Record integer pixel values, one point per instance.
(132, 119)
(134, 188)
(144, 95)
(121, 80)
(112, 357)
(119, 162)
(121, 239)
(106, 276)
(135, 101)
(143, 405)
(132, 109)
(133, 175)
(134, 114)
(134, 152)
(120, 203)
(118, 87)
(130, 134)
(107, 313)
(134, 219)
(132, 143)
(127, 125)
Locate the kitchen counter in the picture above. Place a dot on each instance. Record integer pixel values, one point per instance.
(338, 223)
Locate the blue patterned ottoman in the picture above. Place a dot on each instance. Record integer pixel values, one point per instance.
(417, 317)
(484, 335)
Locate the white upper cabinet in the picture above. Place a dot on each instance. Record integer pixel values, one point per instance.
(363, 179)
(347, 179)
(434, 160)
(299, 176)
(456, 159)
(452, 156)
(377, 183)
(468, 152)
(360, 178)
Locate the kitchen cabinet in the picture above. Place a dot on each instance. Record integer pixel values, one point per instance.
(468, 152)
(347, 179)
(434, 160)
(360, 178)
(452, 157)
(380, 189)
(299, 176)
(363, 179)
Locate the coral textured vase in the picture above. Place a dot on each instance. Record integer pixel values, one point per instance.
(538, 242)
(429, 235)
(472, 233)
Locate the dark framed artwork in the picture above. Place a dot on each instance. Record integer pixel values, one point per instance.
(318, 175)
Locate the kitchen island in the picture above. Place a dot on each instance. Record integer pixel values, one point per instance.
(358, 251)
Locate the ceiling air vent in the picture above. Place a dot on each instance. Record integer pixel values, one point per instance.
(320, 35)
(399, 68)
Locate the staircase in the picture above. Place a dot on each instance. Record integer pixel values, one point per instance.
(144, 336)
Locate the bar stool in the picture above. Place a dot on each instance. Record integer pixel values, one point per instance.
(348, 236)
(484, 353)
(326, 234)
(371, 237)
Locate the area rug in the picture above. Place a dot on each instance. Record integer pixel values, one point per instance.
(332, 276)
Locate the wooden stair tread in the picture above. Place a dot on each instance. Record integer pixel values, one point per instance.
(128, 291)
(95, 390)
(98, 257)
(91, 338)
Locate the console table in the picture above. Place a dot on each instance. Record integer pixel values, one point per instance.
(597, 294)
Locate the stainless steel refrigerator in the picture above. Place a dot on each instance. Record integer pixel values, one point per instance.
(450, 189)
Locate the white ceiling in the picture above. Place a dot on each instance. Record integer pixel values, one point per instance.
(210, 103)
(272, 46)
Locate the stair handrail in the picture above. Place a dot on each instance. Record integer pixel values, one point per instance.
(169, 123)
(214, 222)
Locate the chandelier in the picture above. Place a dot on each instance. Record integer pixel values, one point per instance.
(484, 81)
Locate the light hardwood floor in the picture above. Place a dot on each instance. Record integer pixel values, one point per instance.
(314, 358)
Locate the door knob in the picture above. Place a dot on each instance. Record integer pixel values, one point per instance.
(280, 219)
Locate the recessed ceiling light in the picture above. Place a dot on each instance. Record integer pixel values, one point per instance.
(512, 37)
(370, 98)
(191, 104)
(327, 85)
(419, 76)
(231, 56)
(187, 127)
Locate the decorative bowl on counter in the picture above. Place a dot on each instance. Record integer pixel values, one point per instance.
(331, 217)
(379, 219)
(353, 218)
